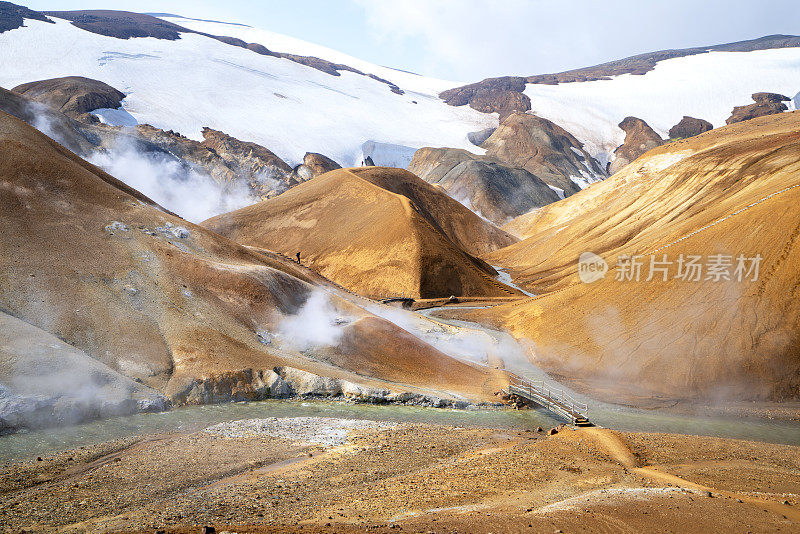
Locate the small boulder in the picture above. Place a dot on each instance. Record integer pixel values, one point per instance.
(765, 104)
(313, 165)
(639, 138)
(552, 432)
(689, 127)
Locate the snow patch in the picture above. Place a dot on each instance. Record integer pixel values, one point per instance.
(558, 190)
(115, 117)
(386, 155)
(282, 105)
(706, 86)
(505, 278)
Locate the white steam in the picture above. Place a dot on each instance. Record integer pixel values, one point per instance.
(42, 122)
(317, 324)
(462, 342)
(190, 194)
(193, 195)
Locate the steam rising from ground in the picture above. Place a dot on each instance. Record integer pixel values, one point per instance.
(316, 324)
(44, 381)
(42, 122)
(182, 189)
(190, 194)
(462, 342)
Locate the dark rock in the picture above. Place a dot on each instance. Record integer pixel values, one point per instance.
(72, 94)
(498, 192)
(269, 175)
(494, 95)
(502, 102)
(13, 16)
(122, 24)
(227, 160)
(260, 49)
(639, 138)
(313, 165)
(689, 127)
(544, 149)
(765, 104)
(539, 429)
(552, 432)
(209, 530)
(368, 162)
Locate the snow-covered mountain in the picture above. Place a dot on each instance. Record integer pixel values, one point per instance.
(197, 81)
(705, 86)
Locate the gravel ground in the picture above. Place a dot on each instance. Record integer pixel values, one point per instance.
(315, 474)
(326, 431)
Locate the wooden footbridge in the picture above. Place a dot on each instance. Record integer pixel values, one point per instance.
(554, 400)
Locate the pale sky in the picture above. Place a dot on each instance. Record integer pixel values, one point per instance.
(468, 40)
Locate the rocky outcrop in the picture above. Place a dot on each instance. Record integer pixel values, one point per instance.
(689, 127)
(232, 163)
(269, 174)
(73, 95)
(503, 103)
(639, 138)
(765, 104)
(313, 165)
(228, 160)
(545, 150)
(494, 95)
(13, 16)
(492, 190)
(289, 382)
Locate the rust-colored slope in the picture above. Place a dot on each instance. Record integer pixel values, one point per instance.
(463, 227)
(352, 227)
(96, 263)
(160, 300)
(733, 191)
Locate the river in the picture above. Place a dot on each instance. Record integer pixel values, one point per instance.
(189, 419)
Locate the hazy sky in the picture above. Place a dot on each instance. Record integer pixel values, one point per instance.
(468, 40)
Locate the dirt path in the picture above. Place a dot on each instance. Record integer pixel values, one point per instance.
(615, 446)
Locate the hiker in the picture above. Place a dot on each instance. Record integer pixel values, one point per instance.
(298, 258)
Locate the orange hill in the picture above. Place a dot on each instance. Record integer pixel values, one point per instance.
(732, 191)
(170, 304)
(375, 231)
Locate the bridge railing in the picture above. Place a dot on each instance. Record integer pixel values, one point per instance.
(540, 388)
